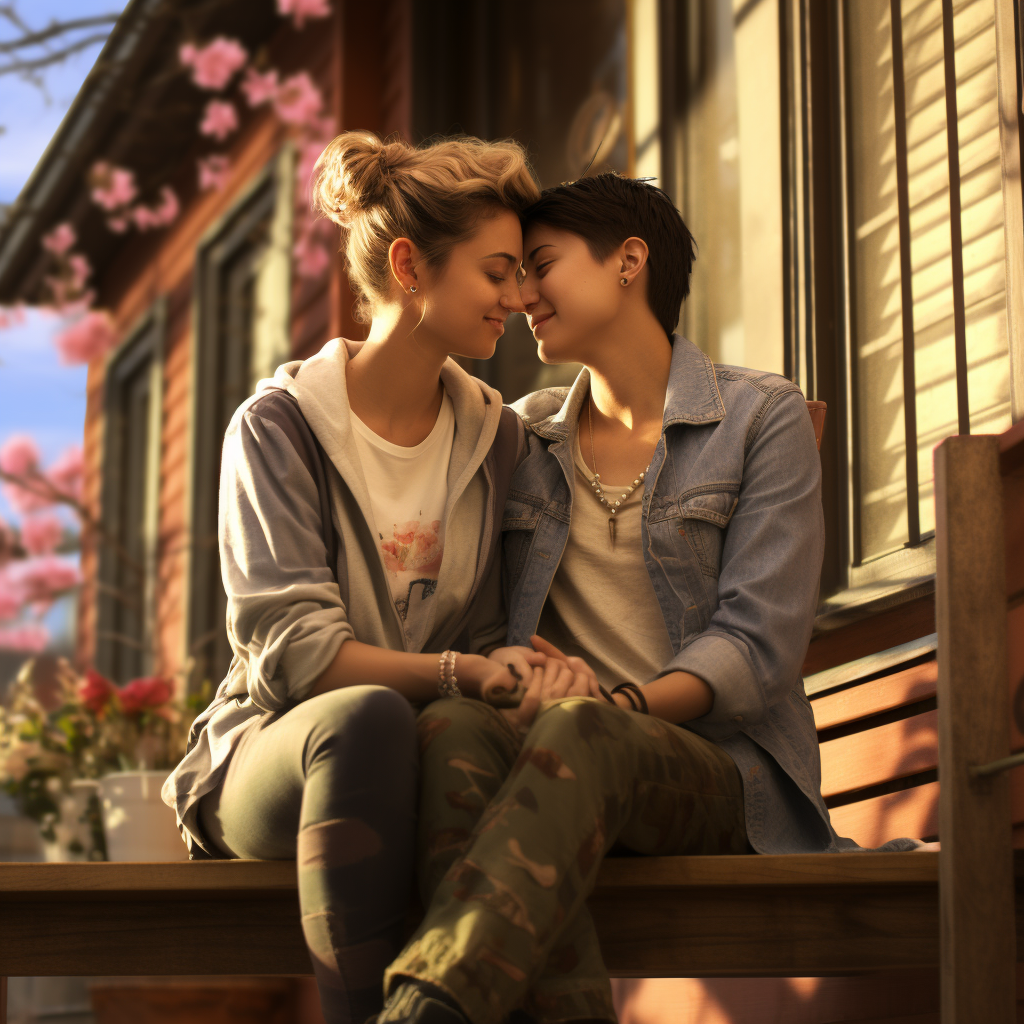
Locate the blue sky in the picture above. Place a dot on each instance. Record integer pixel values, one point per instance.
(38, 395)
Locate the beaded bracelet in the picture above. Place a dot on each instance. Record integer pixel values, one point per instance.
(448, 685)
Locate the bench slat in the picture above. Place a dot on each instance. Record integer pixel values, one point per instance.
(242, 878)
(893, 691)
(912, 812)
(668, 916)
(880, 755)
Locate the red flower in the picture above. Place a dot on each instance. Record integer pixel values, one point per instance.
(96, 691)
(144, 694)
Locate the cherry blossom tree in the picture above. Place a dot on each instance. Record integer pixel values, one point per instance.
(36, 553)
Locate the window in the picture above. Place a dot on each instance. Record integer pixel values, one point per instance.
(557, 83)
(241, 335)
(131, 468)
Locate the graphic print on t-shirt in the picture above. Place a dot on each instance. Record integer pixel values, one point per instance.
(413, 555)
(408, 490)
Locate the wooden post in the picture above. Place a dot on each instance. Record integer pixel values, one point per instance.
(976, 888)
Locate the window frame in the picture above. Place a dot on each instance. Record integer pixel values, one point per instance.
(144, 343)
(267, 199)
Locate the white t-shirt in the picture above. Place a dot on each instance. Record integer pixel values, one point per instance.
(408, 490)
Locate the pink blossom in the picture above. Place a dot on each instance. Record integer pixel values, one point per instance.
(311, 258)
(214, 172)
(302, 9)
(96, 691)
(12, 597)
(87, 338)
(42, 578)
(298, 101)
(144, 694)
(80, 269)
(60, 239)
(306, 165)
(41, 534)
(259, 88)
(213, 65)
(32, 638)
(119, 224)
(67, 472)
(220, 119)
(19, 456)
(11, 316)
(112, 187)
(164, 213)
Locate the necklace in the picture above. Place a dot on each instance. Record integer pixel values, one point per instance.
(612, 504)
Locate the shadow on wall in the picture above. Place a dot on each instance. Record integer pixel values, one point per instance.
(910, 994)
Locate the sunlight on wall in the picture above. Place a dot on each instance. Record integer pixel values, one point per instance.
(878, 331)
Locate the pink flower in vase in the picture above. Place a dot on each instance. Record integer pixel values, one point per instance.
(220, 119)
(144, 695)
(213, 65)
(96, 691)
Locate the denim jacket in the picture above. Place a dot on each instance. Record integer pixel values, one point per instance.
(733, 538)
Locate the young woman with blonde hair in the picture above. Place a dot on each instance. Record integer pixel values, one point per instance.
(360, 513)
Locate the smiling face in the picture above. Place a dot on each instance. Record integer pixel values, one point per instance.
(569, 296)
(466, 301)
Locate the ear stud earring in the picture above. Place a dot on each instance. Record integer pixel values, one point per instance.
(624, 282)
(412, 288)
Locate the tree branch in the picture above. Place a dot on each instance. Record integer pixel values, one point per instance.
(55, 28)
(28, 66)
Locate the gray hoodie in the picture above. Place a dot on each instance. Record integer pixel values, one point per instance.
(298, 588)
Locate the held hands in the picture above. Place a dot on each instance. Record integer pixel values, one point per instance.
(560, 676)
(499, 678)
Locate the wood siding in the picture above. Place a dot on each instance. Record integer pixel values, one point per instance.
(362, 67)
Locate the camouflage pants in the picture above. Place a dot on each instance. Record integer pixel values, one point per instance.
(513, 829)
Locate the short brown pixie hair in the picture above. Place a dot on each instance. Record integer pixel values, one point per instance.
(607, 209)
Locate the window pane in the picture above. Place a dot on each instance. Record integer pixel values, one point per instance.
(877, 319)
(878, 336)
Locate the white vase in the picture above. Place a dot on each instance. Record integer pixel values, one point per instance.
(138, 824)
(73, 835)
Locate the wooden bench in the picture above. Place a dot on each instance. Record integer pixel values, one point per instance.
(786, 916)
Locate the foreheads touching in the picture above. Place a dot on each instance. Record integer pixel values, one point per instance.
(584, 239)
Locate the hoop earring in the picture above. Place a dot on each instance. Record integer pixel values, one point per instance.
(624, 282)
(412, 288)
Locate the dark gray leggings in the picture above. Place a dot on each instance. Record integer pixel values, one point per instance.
(332, 783)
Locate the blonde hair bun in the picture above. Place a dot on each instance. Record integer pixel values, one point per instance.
(354, 174)
(380, 190)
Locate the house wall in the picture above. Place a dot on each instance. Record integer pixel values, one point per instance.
(362, 66)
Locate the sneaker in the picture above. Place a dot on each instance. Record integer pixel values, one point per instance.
(414, 1003)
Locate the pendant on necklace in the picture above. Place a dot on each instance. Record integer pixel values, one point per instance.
(611, 529)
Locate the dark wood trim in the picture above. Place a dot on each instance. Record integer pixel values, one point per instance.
(906, 274)
(122, 640)
(955, 227)
(220, 385)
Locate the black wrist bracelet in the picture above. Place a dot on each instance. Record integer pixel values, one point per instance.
(631, 690)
